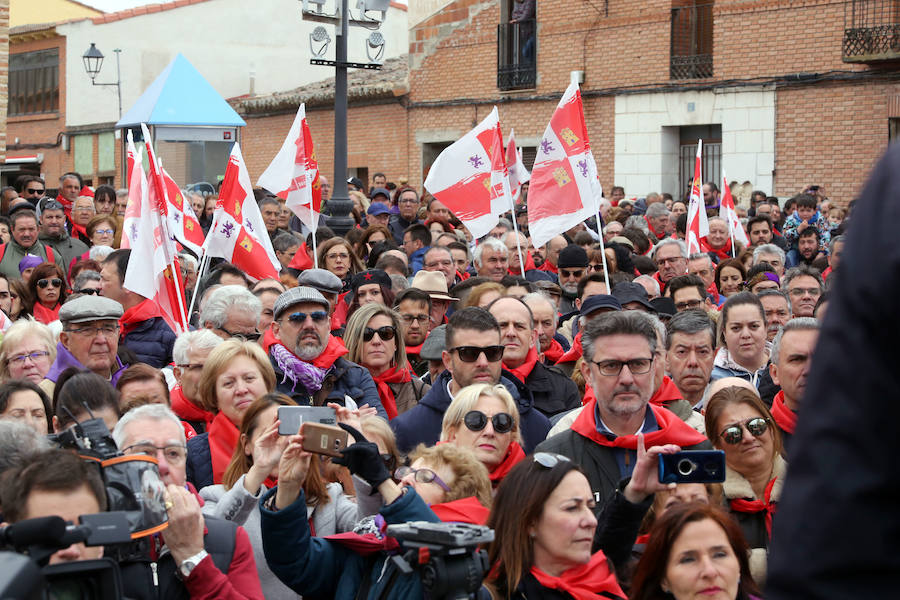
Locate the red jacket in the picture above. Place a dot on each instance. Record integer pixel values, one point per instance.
(206, 582)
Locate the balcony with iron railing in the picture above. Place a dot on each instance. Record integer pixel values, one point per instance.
(871, 31)
(691, 49)
(517, 55)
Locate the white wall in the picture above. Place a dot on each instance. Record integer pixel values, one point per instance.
(647, 136)
(224, 39)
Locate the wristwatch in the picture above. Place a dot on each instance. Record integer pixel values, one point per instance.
(188, 564)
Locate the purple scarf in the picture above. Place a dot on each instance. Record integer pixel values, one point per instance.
(297, 370)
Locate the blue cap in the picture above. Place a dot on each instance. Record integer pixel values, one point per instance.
(598, 301)
(377, 208)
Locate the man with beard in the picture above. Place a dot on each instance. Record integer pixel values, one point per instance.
(309, 362)
(414, 307)
(572, 265)
(791, 358)
(54, 234)
(778, 311)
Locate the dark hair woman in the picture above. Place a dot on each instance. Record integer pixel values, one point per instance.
(743, 351)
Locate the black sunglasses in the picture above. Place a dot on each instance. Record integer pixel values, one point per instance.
(88, 291)
(733, 434)
(55, 282)
(476, 420)
(247, 336)
(471, 353)
(386, 333)
(299, 317)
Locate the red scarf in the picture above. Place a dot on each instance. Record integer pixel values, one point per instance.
(574, 353)
(79, 232)
(137, 314)
(592, 581)
(672, 430)
(784, 416)
(553, 353)
(513, 455)
(464, 510)
(414, 350)
(189, 430)
(826, 273)
(642, 539)
(524, 370)
(46, 315)
(529, 265)
(652, 230)
(268, 338)
(546, 266)
(301, 260)
(724, 253)
(223, 439)
(713, 291)
(666, 392)
(744, 505)
(333, 351)
(187, 410)
(392, 375)
(67, 206)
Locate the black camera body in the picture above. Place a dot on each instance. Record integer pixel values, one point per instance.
(692, 466)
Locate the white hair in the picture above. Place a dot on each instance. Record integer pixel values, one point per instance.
(201, 339)
(637, 222)
(152, 412)
(682, 247)
(767, 249)
(539, 297)
(795, 324)
(215, 310)
(654, 284)
(657, 209)
(493, 244)
(99, 253)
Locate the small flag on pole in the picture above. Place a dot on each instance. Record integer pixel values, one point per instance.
(518, 174)
(728, 212)
(697, 225)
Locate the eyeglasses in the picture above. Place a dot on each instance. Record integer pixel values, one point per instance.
(88, 291)
(597, 267)
(337, 255)
(300, 317)
(548, 460)
(471, 353)
(408, 319)
(804, 291)
(422, 476)
(612, 368)
(105, 330)
(104, 231)
(666, 261)
(248, 336)
(407, 201)
(20, 359)
(733, 434)
(55, 282)
(439, 263)
(476, 420)
(190, 367)
(174, 454)
(679, 306)
(33, 191)
(567, 273)
(385, 333)
(84, 208)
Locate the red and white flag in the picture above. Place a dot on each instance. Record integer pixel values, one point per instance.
(294, 173)
(238, 233)
(728, 212)
(183, 223)
(565, 189)
(697, 225)
(137, 191)
(518, 174)
(471, 178)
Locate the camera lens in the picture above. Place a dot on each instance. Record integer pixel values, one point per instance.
(686, 467)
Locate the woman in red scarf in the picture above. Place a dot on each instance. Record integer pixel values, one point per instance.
(543, 519)
(235, 374)
(48, 288)
(485, 418)
(739, 423)
(374, 340)
(730, 276)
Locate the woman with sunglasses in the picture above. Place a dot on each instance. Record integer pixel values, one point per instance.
(485, 418)
(543, 522)
(738, 423)
(371, 236)
(372, 340)
(47, 287)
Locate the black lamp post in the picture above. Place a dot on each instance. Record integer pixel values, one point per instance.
(93, 62)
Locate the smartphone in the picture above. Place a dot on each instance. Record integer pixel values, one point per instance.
(692, 466)
(291, 417)
(324, 439)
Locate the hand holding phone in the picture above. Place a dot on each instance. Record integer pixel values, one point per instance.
(291, 417)
(324, 439)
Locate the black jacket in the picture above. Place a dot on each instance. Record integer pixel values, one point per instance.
(552, 391)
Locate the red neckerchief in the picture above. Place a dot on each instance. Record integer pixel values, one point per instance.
(79, 232)
(189, 430)
(513, 455)
(524, 370)
(672, 430)
(666, 392)
(414, 350)
(784, 416)
(552, 354)
(333, 351)
(653, 231)
(462, 276)
(46, 315)
(713, 291)
(642, 539)
(86, 191)
(392, 375)
(301, 260)
(826, 273)
(137, 314)
(223, 439)
(464, 510)
(574, 353)
(187, 410)
(744, 505)
(529, 265)
(67, 206)
(546, 266)
(340, 314)
(365, 544)
(593, 581)
(268, 338)
(724, 253)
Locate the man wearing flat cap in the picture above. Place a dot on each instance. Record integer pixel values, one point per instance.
(309, 362)
(89, 340)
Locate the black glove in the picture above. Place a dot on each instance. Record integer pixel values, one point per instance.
(363, 459)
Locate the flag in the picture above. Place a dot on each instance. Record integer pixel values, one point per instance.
(183, 223)
(729, 213)
(518, 174)
(697, 225)
(238, 233)
(471, 178)
(565, 189)
(294, 173)
(137, 191)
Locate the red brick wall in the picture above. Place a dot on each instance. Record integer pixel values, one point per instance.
(4, 72)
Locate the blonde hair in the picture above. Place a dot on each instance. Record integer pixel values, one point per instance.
(470, 477)
(218, 361)
(466, 400)
(19, 331)
(480, 290)
(356, 326)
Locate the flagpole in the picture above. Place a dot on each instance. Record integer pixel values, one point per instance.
(315, 250)
(204, 261)
(603, 249)
(518, 242)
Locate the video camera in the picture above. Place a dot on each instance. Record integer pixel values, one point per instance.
(446, 555)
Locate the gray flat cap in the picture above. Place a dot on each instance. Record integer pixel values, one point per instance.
(434, 344)
(322, 280)
(90, 308)
(298, 295)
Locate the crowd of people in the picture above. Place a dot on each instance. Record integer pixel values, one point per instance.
(489, 382)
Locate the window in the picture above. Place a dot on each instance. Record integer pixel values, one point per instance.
(517, 47)
(34, 82)
(692, 39)
(711, 160)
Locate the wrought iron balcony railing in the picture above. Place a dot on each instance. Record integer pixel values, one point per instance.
(517, 55)
(691, 50)
(871, 31)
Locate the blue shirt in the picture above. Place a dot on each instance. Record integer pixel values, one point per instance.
(625, 458)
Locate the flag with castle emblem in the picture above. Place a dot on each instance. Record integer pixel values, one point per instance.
(238, 233)
(137, 193)
(294, 173)
(728, 212)
(697, 225)
(471, 178)
(564, 188)
(518, 174)
(183, 223)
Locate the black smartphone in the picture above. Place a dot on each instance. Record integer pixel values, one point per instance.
(291, 417)
(692, 466)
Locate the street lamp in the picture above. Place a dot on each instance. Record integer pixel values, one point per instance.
(93, 62)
